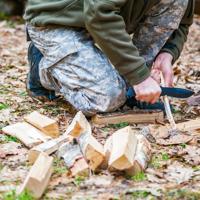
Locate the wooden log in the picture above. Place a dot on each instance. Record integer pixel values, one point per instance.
(135, 117)
(38, 178)
(142, 156)
(92, 150)
(163, 131)
(79, 125)
(124, 143)
(48, 147)
(43, 123)
(90, 147)
(74, 160)
(27, 134)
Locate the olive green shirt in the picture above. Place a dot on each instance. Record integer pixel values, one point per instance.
(110, 23)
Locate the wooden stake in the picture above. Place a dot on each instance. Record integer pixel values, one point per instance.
(39, 175)
(43, 123)
(129, 117)
(124, 143)
(167, 107)
(27, 134)
(48, 147)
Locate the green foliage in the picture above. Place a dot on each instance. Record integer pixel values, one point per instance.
(13, 196)
(140, 194)
(8, 138)
(3, 106)
(120, 125)
(78, 180)
(23, 94)
(141, 176)
(59, 167)
(165, 156)
(182, 194)
(183, 145)
(157, 159)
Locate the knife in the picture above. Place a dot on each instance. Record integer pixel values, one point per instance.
(166, 91)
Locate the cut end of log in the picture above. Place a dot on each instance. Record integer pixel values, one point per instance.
(124, 143)
(80, 168)
(27, 134)
(43, 123)
(79, 124)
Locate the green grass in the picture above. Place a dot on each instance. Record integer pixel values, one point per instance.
(120, 125)
(141, 176)
(140, 194)
(165, 157)
(8, 138)
(78, 180)
(13, 196)
(182, 194)
(3, 106)
(59, 167)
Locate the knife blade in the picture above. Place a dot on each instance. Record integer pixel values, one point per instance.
(166, 91)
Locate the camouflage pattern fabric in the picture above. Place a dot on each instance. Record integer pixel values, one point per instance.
(75, 67)
(157, 26)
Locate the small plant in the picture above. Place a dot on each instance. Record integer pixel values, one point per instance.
(183, 145)
(9, 138)
(141, 176)
(78, 180)
(120, 125)
(13, 196)
(140, 194)
(59, 167)
(165, 157)
(3, 106)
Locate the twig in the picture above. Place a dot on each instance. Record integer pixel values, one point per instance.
(167, 107)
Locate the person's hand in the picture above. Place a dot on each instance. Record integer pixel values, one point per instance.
(163, 63)
(148, 91)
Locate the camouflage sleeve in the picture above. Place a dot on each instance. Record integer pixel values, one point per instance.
(174, 45)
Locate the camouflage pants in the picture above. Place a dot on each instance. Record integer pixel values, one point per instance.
(75, 67)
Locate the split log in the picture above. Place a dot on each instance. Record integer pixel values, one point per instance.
(142, 156)
(135, 117)
(27, 134)
(48, 147)
(92, 150)
(163, 131)
(124, 143)
(39, 175)
(74, 160)
(90, 147)
(79, 125)
(43, 123)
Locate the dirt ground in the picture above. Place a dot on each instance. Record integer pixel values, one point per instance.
(173, 173)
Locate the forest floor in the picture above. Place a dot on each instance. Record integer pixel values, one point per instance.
(173, 173)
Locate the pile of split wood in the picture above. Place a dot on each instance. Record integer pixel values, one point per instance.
(126, 150)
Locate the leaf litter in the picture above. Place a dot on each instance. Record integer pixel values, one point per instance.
(175, 166)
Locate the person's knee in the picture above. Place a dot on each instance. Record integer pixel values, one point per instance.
(114, 98)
